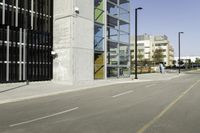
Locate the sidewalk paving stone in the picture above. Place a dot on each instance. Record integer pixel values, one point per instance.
(14, 92)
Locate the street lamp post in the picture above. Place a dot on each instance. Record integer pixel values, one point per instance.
(179, 51)
(136, 10)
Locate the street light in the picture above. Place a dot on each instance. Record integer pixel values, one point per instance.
(136, 10)
(179, 51)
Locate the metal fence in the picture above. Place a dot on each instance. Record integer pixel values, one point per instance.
(26, 40)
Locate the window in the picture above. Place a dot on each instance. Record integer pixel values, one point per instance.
(124, 37)
(140, 44)
(112, 10)
(112, 22)
(114, 1)
(161, 44)
(98, 11)
(124, 4)
(124, 14)
(99, 39)
(112, 34)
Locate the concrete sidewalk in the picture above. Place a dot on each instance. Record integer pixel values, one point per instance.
(20, 91)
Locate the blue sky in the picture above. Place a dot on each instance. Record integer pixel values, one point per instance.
(169, 17)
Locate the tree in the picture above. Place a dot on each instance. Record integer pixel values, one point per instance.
(181, 62)
(174, 62)
(158, 56)
(140, 56)
(140, 59)
(132, 61)
(197, 61)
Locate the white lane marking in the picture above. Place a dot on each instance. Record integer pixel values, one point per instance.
(45, 117)
(150, 85)
(163, 112)
(124, 93)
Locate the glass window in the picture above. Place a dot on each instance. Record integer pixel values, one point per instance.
(112, 10)
(123, 26)
(114, 1)
(99, 15)
(112, 22)
(124, 4)
(98, 11)
(99, 65)
(124, 72)
(112, 57)
(124, 54)
(124, 37)
(140, 44)
(124, 49)
(112, 34)
(118, 33)
(98, 4)
(99, 44)
(161, 44)
(99, 71)
(112, 72)
(112, 46)
(123, 14)
(99, 39)
(123, 59)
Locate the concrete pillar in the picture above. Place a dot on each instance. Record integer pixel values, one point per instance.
(73, 41)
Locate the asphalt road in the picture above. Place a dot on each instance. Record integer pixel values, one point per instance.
(170, 106)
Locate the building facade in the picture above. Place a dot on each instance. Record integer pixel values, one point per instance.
(91, 39)
(112, 38)
(26, 40)
(162, 42)
(147, 44)
(64, 40)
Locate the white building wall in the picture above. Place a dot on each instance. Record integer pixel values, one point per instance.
(73, 41)
(150, 46)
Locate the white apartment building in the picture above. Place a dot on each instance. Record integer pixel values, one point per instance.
(147, 44)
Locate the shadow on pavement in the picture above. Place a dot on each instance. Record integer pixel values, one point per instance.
(14, 88)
